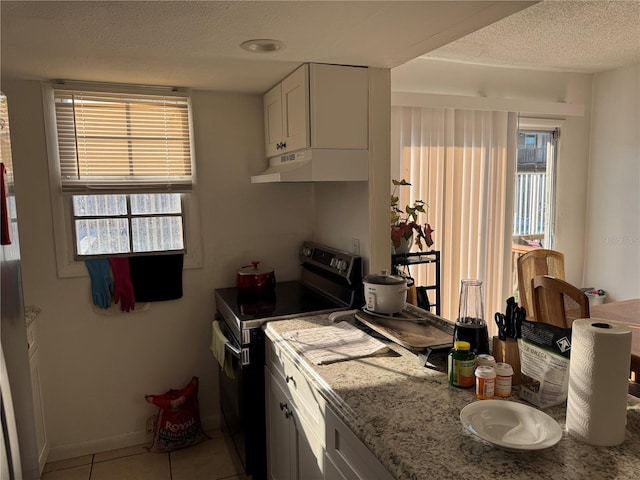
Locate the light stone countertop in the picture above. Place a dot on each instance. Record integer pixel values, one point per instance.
(408, 416)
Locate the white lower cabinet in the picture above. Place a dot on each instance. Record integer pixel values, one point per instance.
(293, 451)
(305, 439)
(348, 458)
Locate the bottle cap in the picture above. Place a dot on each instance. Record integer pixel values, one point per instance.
(485, 372)
(503, 369)
(486, 359)
(462, 345)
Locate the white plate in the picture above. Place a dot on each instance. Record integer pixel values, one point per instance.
(511, 425)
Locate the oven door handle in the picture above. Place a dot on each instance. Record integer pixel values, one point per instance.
(235, 351)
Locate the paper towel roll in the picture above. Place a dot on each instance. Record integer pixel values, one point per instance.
(598, 381)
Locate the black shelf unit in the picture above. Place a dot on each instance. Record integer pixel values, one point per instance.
(408, 259)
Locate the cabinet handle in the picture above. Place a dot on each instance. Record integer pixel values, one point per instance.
(288, 379)
(284, 145)
(285, 408)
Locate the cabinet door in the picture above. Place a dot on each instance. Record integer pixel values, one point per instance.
(279, 457)
(331, 472)
(309, 451)
(339, 103)
(293, 451)
(295, 108)
(350, 457)
(272, 104)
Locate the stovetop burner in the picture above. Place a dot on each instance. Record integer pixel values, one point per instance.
(288, 298)
(331, 280)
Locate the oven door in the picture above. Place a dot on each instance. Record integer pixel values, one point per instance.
(242, 401)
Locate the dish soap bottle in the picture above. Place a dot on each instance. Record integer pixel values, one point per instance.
(461, 365)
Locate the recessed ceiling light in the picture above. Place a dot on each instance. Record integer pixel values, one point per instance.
(262, 45)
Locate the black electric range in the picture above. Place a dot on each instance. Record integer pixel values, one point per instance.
(331, 280)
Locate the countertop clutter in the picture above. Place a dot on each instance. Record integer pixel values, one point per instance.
(409, 418)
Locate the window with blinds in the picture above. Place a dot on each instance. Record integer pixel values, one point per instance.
(125, 166)
(122, 140)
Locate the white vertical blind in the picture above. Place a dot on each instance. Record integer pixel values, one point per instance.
(462, 164)
(123, 140)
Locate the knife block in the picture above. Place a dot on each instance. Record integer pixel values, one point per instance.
(506, 351)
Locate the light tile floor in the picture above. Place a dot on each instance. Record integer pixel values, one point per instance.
(213, 459)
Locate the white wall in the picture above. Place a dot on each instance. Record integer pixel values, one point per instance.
(359, 210)
(342, 214)
(96, 369)
(612, 260)
(449, 78)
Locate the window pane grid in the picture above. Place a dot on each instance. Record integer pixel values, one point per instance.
(127, 224)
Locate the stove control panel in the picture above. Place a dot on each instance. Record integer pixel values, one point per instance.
(335, 261)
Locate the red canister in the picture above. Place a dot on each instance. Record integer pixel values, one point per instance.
(253, 279)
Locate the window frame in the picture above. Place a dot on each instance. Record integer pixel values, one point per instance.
(61, 202)
(548, 125)
(128, 216)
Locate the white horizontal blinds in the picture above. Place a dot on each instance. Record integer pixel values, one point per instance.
(113, 141)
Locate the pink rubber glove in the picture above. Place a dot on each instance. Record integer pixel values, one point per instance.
(123, 288)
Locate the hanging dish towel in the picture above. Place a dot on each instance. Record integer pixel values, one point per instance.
(156, 278)
(218, 342)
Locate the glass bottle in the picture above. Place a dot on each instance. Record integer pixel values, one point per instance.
(470, 325)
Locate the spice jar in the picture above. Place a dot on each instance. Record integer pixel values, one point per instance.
(504, 376)
(485, 382)
(461, 365)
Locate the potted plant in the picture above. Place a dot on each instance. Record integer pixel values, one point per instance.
(404, 223)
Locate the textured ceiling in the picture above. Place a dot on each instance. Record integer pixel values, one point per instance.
(570, 36)
(196, 43)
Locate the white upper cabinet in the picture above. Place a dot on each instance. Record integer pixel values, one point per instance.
(295, 110)
(272, 102)
(318, 106)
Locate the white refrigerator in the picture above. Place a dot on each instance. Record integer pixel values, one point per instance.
(18, 446)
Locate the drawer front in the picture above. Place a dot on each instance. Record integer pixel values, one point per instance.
(274, 358)
(349, 455)
(308, 402)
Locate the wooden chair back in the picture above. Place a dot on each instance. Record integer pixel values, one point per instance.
(540, 261)
(558, 302)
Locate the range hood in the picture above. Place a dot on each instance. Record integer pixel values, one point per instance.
(317, 165)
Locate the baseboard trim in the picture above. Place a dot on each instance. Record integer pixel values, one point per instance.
(64, 452)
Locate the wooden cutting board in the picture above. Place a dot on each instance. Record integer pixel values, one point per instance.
(407, 330)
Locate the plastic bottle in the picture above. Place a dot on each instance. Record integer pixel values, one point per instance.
(504, 376)
(485, 360)
(461, 365)
(485, 382)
